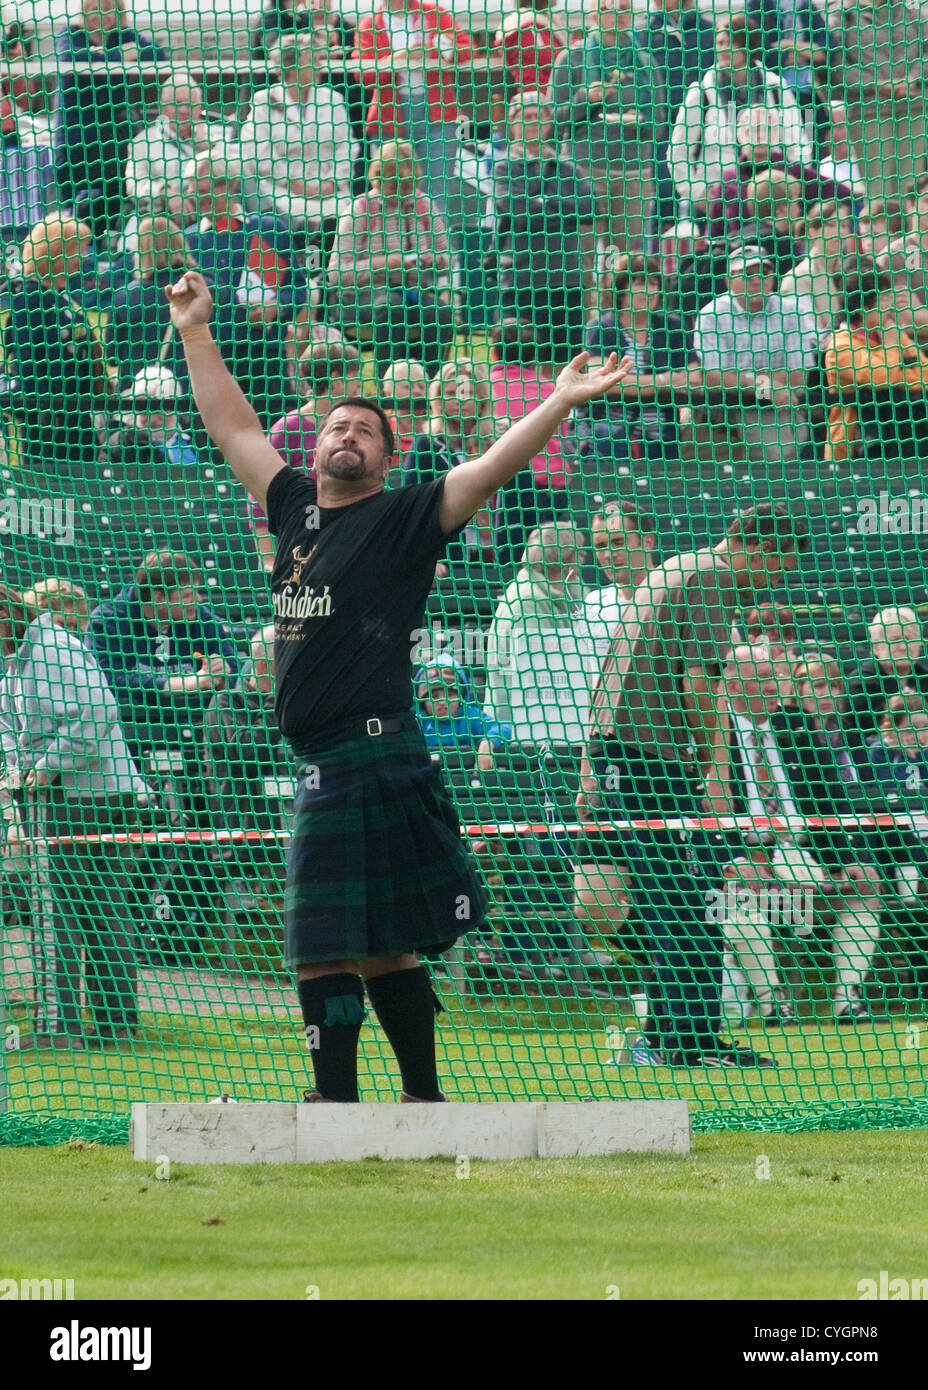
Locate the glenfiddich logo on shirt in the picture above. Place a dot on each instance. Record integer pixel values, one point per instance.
(291, 603)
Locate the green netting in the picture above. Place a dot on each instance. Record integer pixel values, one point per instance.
(438, 209)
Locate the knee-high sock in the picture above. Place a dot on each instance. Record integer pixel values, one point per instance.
(333, 1011)
(405, 1005)
(855, 935)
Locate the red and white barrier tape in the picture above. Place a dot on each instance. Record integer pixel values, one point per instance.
(520, 829)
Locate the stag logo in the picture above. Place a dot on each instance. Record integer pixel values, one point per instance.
(300, 561)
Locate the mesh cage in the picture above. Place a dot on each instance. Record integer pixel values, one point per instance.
(671, 674)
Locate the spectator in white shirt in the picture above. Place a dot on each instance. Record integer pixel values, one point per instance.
(830, 241)
(296, 147)
(157, 156)
(757, 345)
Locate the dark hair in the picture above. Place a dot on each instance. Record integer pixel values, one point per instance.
(512, 340)
(386, 429)
(743, 33)
(321, 363)
(643, 522)
(164, 571)
(632, 268)
(770, 521)
(862, 289)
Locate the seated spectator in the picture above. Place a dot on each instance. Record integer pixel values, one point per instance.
(880, 223)
(26, 173)
(602, 95)
(899, 753)
(159, 154)
(450, 716)
(631, 425)
(295, 147)
(69, 756)
(461, 423)
(257, 278)
(831, 244)
(760, 139)
(404, 395)
(792, 761)
(906, 258)
(772, 626)
(94, 113)
(243, 751)
(897, 666)
(624, 543)
(529, 45)
(840, 164)
(329, 374)
(544, 214)
(797, 46)
(541, 601)
(18, 45)
(538, 492)
(775, 210)
(281, 18)
(165, 654)
(67, 601)
(693, 270)
(55, 359)
(162, 650)
(755, 342)
(390, 269)
(150, 452)
(411, 55)
(704, 142)
(138, 331)
(680, 40)
(877, 377)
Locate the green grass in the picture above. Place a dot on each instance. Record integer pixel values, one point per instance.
(486, 1052)
(836, 1208)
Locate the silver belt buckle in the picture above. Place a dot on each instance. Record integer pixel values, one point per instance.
(374, 728)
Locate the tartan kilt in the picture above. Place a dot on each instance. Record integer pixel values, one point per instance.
(377, 865)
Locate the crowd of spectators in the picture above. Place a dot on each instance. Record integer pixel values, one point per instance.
(675, 187)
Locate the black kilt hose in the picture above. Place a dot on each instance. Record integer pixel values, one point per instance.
(377, 865)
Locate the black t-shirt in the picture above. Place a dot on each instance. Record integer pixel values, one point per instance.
(349, 588)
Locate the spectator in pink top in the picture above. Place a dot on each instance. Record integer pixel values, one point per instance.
(537, 493)
(330, 372)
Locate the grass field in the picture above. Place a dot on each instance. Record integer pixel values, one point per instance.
(487, 1052)
(835, 1209)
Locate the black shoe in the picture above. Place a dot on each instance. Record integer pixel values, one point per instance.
(743, 1057)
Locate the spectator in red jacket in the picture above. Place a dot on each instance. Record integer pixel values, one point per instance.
(410, 53)
(528, 45)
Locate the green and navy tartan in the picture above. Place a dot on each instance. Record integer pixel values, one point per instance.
(377, 865)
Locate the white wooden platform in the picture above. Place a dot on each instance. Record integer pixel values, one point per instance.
(318, 1133)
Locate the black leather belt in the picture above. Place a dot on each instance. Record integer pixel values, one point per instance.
(374, 727)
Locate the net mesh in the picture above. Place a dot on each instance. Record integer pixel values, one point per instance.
(439, 208)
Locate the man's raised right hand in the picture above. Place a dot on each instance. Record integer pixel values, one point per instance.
(191, 302)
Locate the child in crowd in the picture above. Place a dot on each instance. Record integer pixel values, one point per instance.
(450, 716)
